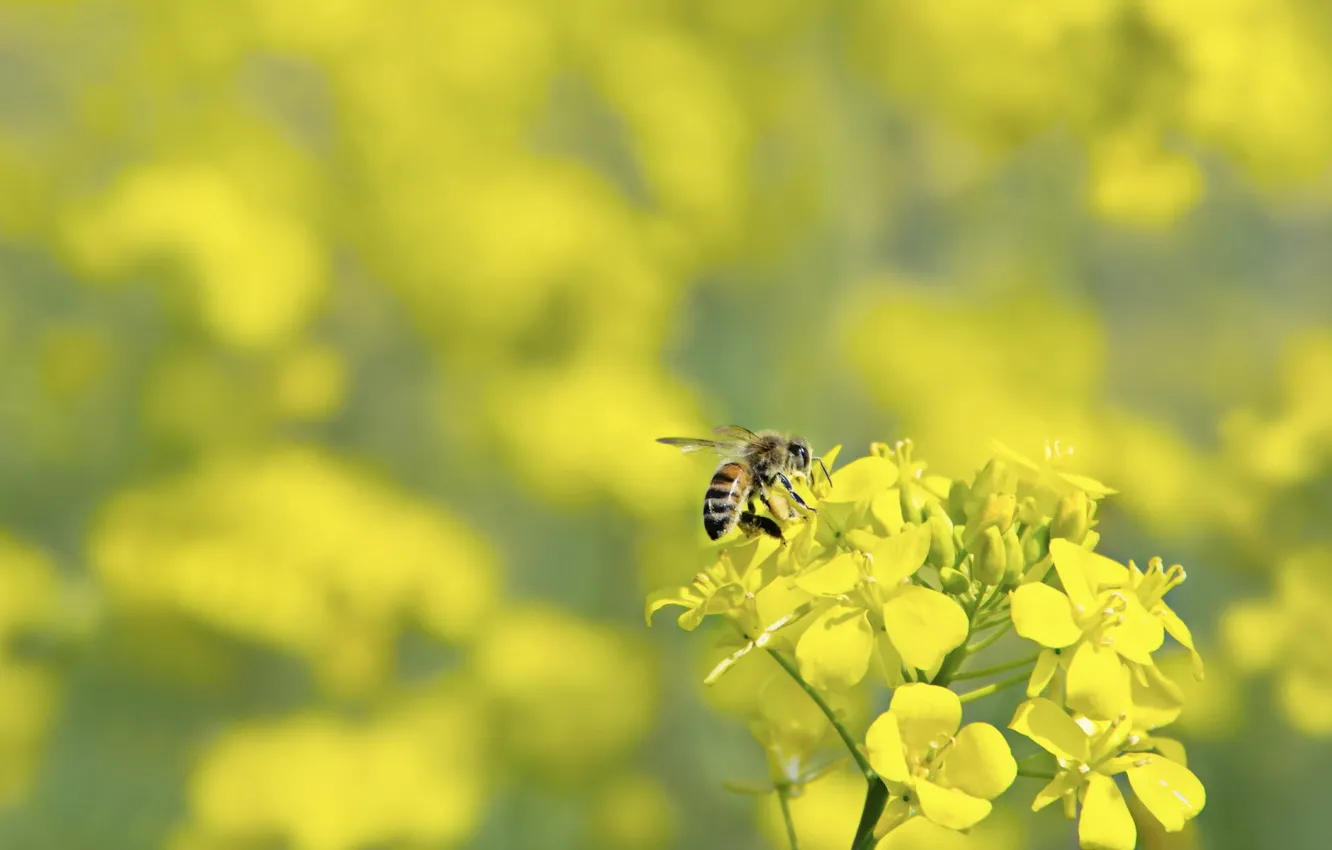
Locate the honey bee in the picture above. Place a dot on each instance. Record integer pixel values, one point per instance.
(756, 466)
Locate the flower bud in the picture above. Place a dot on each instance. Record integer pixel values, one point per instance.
(1072, 517)
(991, 558)
(1014, 563)
(1035, 544)
(991, 479)
(942, 551)
(954, 581)
(913, 501)
(996, 511)
(1029, 512)
(959, 494)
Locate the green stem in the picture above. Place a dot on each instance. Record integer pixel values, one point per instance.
(948, 670)
(982, 603)
(998, 668)
(989, 639)
(876, 796)
(875, 800)
(784, 798)
(985, 625)
(994, 688)
(760, 641)
(949, 666)
(1035, 774)
(794, 672)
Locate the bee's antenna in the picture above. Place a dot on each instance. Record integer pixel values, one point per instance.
(825, 471)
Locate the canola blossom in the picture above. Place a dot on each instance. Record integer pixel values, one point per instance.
(905, 581)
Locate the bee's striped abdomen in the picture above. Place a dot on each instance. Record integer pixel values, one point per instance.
(721, 507)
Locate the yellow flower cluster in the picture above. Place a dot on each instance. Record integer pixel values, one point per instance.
(1000, 75)
(1287, 634)
(275, 550)
(912, 576)
(257, 210)
(320, 782)
(29, 691)
(1283, 459)
(321, 562)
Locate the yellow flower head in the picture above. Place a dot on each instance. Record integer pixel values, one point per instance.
(933, 769)
(914, 576)
(1100, 623)
(1088, 755)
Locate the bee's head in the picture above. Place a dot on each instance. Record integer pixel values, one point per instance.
(800, 457)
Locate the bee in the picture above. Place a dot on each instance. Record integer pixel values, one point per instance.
(756, 466)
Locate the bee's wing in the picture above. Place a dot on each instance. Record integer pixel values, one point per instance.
(693, 444)
(736, 433)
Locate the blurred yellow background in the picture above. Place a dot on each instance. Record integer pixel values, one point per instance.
(334, 337)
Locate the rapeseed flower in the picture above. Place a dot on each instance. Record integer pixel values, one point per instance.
(931, 767)
(1094, 623)
(1089, 754)
(917, 575)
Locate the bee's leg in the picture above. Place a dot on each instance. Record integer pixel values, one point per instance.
(786, 482)
(751, 524)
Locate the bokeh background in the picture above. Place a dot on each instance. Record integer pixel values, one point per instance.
(334, 336)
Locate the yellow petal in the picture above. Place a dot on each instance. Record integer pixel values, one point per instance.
(896, 815)
(1098, 683)
(834, 651)
(860, 479)
(899, 556)
(661, 598)
(924, 834)
(777, 599)
(824, 814)
(1157, 702)
(1071, 563)
(1045, 615)
(754, 552)
(923, 624)
(884, 743)
(927, 715)
(832, 523)
(792, 722)
(1046, 664)
(670, 596)
(949, 807)
(862, 539)
(832, 578)
(829, 460)
(1168, 748)
(1090, 486)
(1003, 451)
(1103, 572)
(1170, 791)
(1105, 823)
(1044, 722)
(886, 509)
(979, 762)
(888, 659)
(741, 689)
(1138, 635)
(1065, 782)
(1180, 632)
